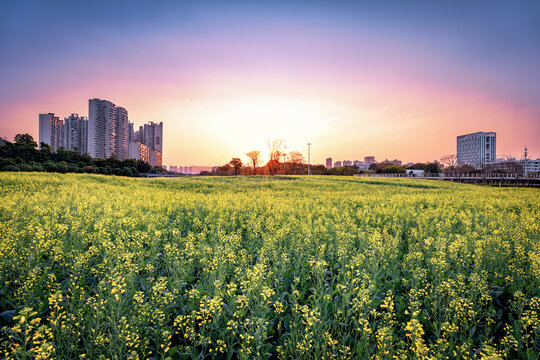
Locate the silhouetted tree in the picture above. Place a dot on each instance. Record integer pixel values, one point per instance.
(254, 157)
(296, 159)
(275, 148)
(449, 160)
(236, 163)
(433, 168)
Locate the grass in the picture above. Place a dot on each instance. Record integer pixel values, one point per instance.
(257, 267)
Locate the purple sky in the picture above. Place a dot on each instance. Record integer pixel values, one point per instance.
(392, 79)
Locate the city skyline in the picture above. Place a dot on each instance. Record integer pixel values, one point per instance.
(389, 80)
(105, 133)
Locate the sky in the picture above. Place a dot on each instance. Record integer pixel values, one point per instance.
(392, 79)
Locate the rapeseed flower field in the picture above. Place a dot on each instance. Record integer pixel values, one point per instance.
(96, 267)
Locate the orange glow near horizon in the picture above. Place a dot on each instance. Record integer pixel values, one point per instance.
(212, 127)
(227, 80)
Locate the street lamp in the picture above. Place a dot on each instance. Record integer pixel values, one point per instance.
(308, 158)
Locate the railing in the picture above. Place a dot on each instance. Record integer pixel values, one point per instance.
(455, 175)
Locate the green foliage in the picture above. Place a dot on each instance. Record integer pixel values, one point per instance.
(266, 267)
(25, 140)
(10, 168)
(389, 169)
(22, 156)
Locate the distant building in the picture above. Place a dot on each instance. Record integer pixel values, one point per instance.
(76, 133)
(329, 163)
(477, 149)
(347, 163)
(122, 134)
(173, 168)
(131, 133)
(195, 170)
(415, 173)
(337, 164)
(508, 167)
(155, 157)
(362, 167)
(396, 162)
(102, 128)
(51, 131)
(139, 151)
(369, 160)
(153, 136)
(531, 166)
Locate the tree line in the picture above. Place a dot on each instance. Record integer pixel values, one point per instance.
(23, 155)
(293, 163)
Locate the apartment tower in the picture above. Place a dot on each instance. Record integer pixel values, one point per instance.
(102, 128)
(76, 133)
(122, 133)
(51, 131)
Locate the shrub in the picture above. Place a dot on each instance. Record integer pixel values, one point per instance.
(89, 169)
(10, 168)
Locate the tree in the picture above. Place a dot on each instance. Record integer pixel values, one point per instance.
(254, 157)
(433, 168)
(296, 159)
(142, 167)
(449, 160)
(25, 140)
(46, 148)
(275, 148)
(466, 169)
(236, 163)
(223, 170)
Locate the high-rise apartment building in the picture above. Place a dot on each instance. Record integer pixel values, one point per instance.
(347, 163)
(477, 149)
(329, 163)
(51, 131)
(337, 164)
(76, 133)
(139, 151)
(102, 128)
(122, 134)
(153, 136)
(155, 158)
(131, 133)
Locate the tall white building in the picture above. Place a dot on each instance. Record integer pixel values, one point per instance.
(76, 133)
(102, 128)
(477, 149)
(329, 163)
(51, 131)
(122, 134)
(153, 136)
